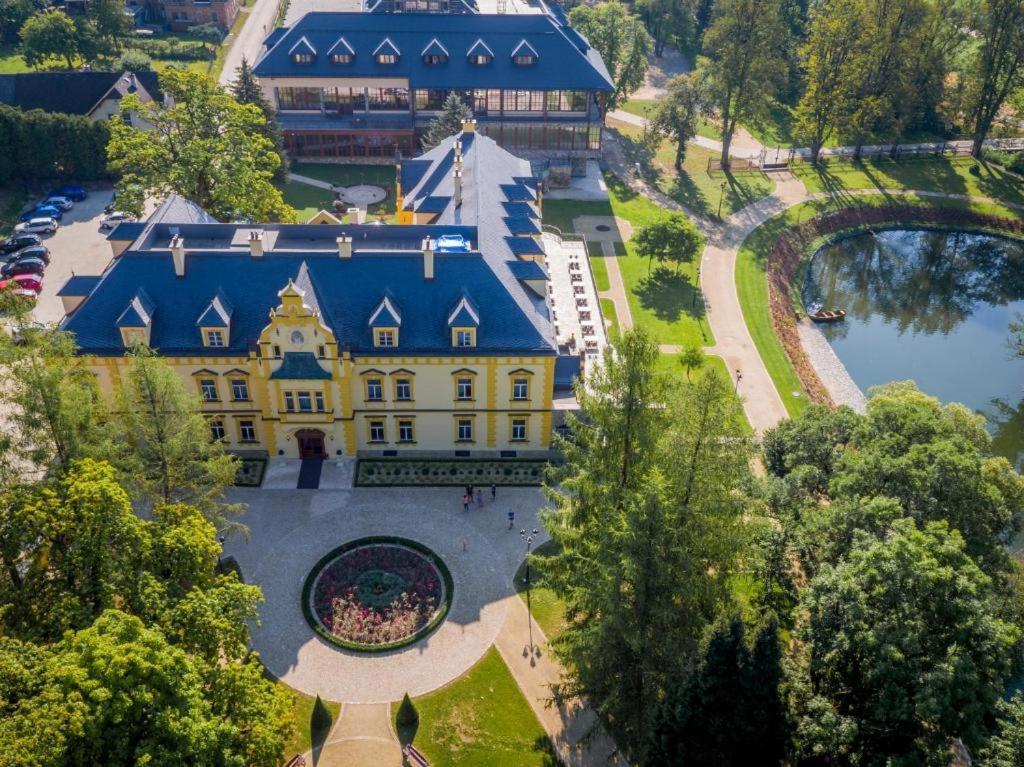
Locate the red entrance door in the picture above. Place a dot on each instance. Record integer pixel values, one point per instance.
(311, 443)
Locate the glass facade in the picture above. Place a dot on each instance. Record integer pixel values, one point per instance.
(298, 98)
(483, 101)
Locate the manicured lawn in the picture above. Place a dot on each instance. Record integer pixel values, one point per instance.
(705, 193)
(548, 609)
(307, 200)
(597, 263)
(713, 365)
(776, 128)
(481, 720)
(609, 313)
(11, 62)
(661, 300)
(302, 710)
(645, 107)
(951, 175)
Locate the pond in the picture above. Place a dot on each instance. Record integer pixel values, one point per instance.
(931, 306)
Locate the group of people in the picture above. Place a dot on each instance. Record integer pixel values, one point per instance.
(478, 495)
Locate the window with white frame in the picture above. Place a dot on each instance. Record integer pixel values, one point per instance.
(239, 389)
(215, 338)
(208, 388)
(216, 431)
(464, 388)
(464, 338)
(305, 401)
(376, 431)
(521, 388)
(403, 390)
(518, 429)
(374, 389)
(465, 430)
(247, 431)
(406, 432)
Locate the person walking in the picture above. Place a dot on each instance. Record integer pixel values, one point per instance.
(465, 503)
(479, 498)
(494, 492)
(469, 490)
(511, 519)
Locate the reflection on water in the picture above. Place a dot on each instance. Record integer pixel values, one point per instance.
(934, 307)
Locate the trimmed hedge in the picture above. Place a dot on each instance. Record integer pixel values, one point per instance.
(330, 556)
(44, 146)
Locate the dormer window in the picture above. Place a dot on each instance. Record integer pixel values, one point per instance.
(215, 322)
(302, 52)
(480, 54)
(387, 52)
(384, 323)
(435, 53)
(215, 338)
(524, 54)
(341, 52)
(465, 338)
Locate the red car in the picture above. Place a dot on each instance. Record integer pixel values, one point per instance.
(28, 285)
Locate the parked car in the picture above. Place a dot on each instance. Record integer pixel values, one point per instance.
(33, 282)
(41, 211)
(33, 251)
(16, 242)
(111, 220)
(63, 203)
(41, 225)
(71, 191)
(23, 266)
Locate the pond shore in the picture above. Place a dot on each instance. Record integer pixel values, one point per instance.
(830, 369)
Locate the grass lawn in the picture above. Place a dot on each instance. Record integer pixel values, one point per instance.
(548, 609)
(776, 128)
(11, 62)
(669, 365)
(609, 313)
(940, 174)
(600, 267)
(307, 200)
(302, 710)
(661, 300)
(700, 191)
(481, 720)
(752, 286)
(645, 107)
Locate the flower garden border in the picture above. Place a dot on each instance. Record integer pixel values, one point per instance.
(330, 556)
(453, 480)
(795, 247)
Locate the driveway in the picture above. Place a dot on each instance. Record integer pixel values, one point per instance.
(290, 530)
(78, 247)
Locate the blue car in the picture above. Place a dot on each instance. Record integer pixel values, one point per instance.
(42, 211)
(71, 191)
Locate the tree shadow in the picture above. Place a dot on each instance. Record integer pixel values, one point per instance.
(544, 746)
(669, 294)
(320, 723)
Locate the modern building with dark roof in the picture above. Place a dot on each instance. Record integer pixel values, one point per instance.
(93, 94)
(312, 340)
(368, 84)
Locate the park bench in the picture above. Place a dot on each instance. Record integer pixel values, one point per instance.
(415, 758)
(296, 761)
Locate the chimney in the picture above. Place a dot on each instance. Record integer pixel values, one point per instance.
(428, 259)
(344, 246)
(469, 126)
(178, 254)
(356, 215)
(457, 181)
(256, 243)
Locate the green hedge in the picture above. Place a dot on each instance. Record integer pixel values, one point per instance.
(42, 146)
(307, 593)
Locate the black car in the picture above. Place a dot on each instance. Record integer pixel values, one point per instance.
(34, 251)
(23, 266)
(17, 242)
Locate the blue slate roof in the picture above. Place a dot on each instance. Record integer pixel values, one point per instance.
(385, 315)
(79, 285)
(565, 61)
(126, 231)
(300, 366)
(217, 314)
(138, 313)
(528, 270)
(465, 315)
(521, 225)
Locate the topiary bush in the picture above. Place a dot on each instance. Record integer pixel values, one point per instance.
(407, 720)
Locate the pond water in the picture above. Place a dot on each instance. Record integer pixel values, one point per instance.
(934, 307)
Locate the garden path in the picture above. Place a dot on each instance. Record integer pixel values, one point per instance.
(362, 736)
(616, 287)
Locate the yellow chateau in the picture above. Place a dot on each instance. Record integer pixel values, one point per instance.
(321, 340)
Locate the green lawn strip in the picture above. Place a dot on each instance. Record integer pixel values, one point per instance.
(705, 193)
(11, 62)
(217, 66)
(609, 313)
(939, 174)
(481, 720)
(307, 200)
(598, 265)
(645, 108)
(752, 285)
(302, 711)
(547, 609)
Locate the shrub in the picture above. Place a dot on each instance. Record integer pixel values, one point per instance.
(134, 61)
(320, 721)
(407, 715)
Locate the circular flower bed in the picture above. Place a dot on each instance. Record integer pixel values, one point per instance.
(376, 594)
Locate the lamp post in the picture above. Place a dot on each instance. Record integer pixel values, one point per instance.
(528, 539)
(721, 197)
(693, 304)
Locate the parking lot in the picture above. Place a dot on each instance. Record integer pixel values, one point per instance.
(78, 247)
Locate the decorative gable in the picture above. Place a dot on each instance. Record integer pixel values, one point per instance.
(387, 52)
(341, 52)
(524, 54)
(215, 322)
(303, 51)
(136, 321)
(480, 53)
(435, 52)
(385, 315)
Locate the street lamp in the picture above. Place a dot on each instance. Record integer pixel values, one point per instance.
(528, 539)
(693, 304)
(721, 197)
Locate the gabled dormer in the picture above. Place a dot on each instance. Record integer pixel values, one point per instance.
(136, 321)
(463, 322)
(385, 323)
(302, 52)
(341, 52)
(215, 322)
(387, 52)
(435, 53)
(479, 53)
(524, 54)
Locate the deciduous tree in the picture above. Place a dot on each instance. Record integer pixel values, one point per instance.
(203, 145)
(679, 112)
(49, 35)
(997, 69)
(247, 90)
(671, 237)
(622, 41)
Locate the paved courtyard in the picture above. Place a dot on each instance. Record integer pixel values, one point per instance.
(290, 530)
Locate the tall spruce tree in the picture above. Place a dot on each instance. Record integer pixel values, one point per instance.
(454, 112)
(646, 517)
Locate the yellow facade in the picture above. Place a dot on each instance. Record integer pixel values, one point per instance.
(369, 404)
